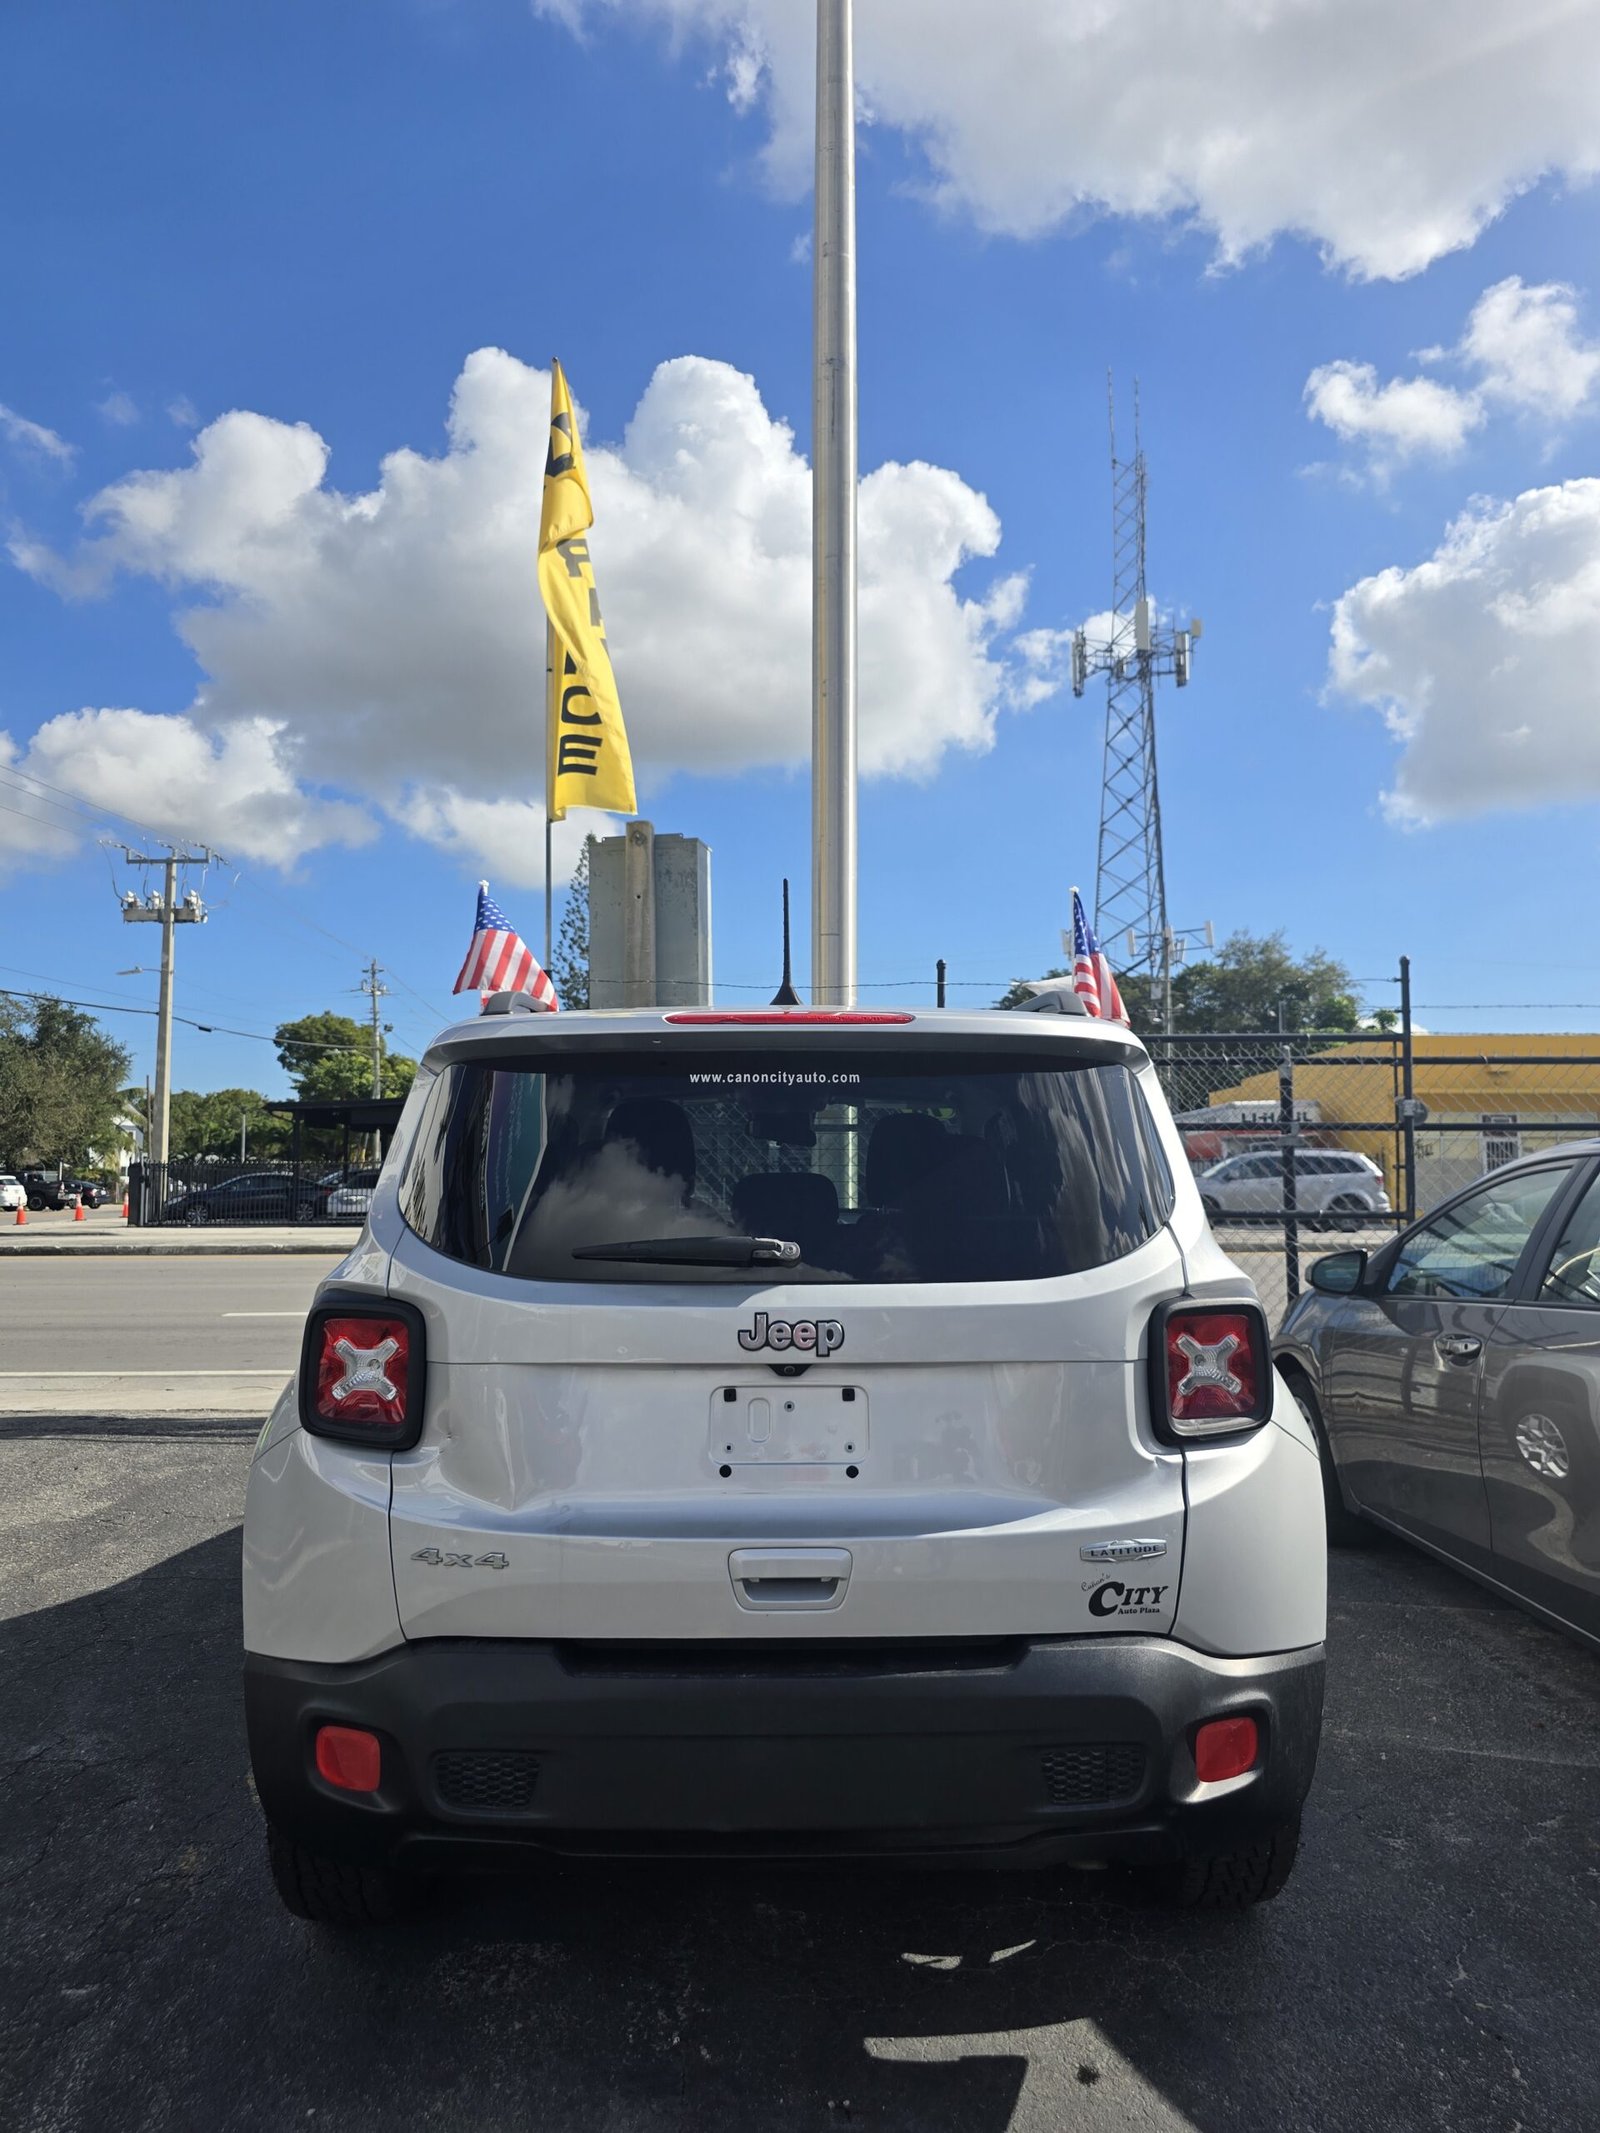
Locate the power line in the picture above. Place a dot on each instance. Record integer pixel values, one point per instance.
(209, 1029)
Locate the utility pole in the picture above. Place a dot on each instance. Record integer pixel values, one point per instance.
(375, 992)
(833, 517)
(162, 907)
(1130, 890)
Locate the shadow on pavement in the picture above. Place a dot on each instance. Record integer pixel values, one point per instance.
(1433, 1963)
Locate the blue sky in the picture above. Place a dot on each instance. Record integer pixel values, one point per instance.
(314, 216)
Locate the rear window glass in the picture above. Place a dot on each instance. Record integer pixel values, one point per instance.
(894, 1168)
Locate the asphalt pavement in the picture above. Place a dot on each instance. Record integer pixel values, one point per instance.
(152, 1337)
(1434, 1963)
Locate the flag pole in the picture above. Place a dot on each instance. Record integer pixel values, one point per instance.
(833, 533)
(549, 797)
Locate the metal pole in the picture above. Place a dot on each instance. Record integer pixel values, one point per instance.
(377, 1037)
(1291, 1196)
(1408, 1091)
(833, 535)
(161, 1123)
(549, 781)
(939, 969)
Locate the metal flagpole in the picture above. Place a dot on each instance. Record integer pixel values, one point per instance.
(833, 535)
(549, 795)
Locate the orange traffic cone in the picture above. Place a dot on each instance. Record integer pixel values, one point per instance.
(124, 1207)
(22, 1216)
(78, 1214)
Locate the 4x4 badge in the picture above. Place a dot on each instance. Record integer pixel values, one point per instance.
(1122, 1551)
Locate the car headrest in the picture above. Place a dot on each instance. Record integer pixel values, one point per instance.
(660, 1134)
(901, 1147)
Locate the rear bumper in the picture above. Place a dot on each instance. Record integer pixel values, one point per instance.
(1075, 1749)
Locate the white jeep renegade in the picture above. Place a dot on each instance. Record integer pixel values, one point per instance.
(783, 1432)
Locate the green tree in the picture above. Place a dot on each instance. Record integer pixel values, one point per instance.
(208, 1122)
(1239, 988)
(569, 964)
(330, 1056)
(60, 1083)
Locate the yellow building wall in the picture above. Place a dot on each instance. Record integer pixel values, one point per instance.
(1550, 1101)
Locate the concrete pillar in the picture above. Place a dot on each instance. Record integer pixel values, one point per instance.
(649, 920)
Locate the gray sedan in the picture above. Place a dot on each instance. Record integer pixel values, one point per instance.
(1453, 1380)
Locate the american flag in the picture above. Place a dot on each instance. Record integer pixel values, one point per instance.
(500, 960)
(1092, 980)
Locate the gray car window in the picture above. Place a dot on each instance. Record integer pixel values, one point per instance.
(1470, 1252)
(1573, 1275)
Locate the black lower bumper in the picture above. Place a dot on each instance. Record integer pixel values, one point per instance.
(1071, 1749)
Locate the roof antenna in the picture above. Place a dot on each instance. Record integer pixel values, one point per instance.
(786, 996)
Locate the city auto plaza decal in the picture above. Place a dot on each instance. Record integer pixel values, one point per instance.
(1111, 1597)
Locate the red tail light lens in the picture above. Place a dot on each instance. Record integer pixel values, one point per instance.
(362, 1372)
(349, 1757)
(1225, 1748)
(1211, 1369)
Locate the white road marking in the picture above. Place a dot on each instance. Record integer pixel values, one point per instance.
(149, 1373)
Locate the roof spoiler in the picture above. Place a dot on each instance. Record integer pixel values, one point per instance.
(1051, 996)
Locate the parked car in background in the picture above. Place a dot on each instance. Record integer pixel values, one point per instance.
(349, 1199)
(254, 1196)
(1453, 1381)
(89, 1190)
(13, 1193)
(1327, 1182)
(44, 1191)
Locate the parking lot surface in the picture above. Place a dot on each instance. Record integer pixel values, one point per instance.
(1434, 1963)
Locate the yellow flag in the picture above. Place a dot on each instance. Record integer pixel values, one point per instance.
(590, 765)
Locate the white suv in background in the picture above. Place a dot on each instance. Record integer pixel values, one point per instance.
(13, 1193)
(1327, 1181)
(783, 1433)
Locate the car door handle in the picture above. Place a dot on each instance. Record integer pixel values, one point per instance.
(1457, 1347)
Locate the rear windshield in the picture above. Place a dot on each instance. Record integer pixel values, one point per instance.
(894, 1167)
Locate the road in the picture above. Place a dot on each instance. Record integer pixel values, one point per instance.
(1434, 1964)
(145, 1336)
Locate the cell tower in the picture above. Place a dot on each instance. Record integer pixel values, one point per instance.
(1130, 892)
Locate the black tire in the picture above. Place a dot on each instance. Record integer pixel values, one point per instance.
(1212, 1210)
(197, 1214)
(335, 1892)
(1236, 1880)
(1346, 1528)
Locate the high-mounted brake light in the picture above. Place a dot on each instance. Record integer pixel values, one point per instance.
(787, 1018)
(362, 1372)
(1210, 1369)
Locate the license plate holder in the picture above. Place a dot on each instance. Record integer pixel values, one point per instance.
(789, 1425)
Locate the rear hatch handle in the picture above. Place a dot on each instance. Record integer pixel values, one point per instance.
(789, 1579)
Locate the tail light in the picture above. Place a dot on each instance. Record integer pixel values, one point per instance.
(1226, 1748)
(1210, 1369)
(363, 1372)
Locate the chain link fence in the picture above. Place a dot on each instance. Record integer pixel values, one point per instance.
(1306, 1141)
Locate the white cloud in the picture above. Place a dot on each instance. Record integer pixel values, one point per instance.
(1483, 659)
(1386, 135)
(392, 644)
(1527, 346)
(120, 409)
(1524, 350)
(183, 413)
(235, 787)
(33, 436)
(1397, 420)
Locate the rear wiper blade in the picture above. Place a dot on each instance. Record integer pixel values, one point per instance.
(695, 1251)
